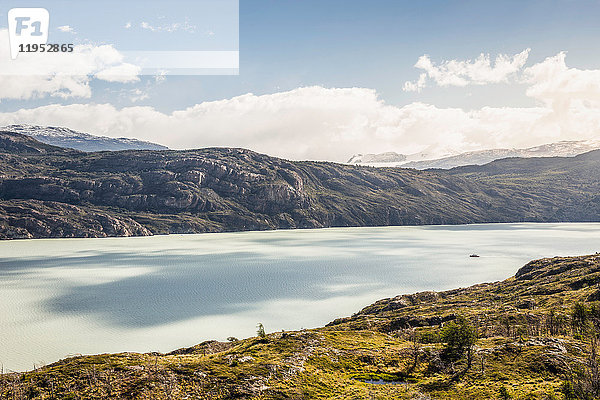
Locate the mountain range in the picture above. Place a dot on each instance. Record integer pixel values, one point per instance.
(481, 157)
(68, 138)
(48, 191)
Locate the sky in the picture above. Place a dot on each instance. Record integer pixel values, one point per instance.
(320, 80)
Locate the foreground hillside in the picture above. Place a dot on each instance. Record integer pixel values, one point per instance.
(47, 191)
(532, 336)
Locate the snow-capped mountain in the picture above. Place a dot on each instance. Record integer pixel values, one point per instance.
(558, 149)
(64, 137)
(389, 157)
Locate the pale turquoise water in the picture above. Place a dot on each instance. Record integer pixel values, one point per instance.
(69, 296)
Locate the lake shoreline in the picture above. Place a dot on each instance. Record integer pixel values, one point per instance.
(3, 239)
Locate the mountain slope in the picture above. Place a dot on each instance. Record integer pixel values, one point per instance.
(531, 341)
(15, 143)
(224, 189)
(67, 138)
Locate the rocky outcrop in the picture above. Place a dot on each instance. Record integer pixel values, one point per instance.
(37, 219)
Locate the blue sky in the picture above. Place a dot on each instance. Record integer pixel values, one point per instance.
(344, 43)
(335, 43)
(107, 23)
(289, 44)
(341, 43)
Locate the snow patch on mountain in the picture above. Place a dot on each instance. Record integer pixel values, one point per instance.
(68, 138)
(481, 157)
(389, 157)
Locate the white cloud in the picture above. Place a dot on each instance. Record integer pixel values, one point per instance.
(558, 86)
(322, 124)
(416, 86)
(62, 75)
(128, 25)
(333, 124)
(136, 95)
(66, 29)
(172, 27)
(480, 71)
(123, 73)
(160, 77)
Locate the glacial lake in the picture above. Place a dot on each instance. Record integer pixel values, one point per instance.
(61, 297)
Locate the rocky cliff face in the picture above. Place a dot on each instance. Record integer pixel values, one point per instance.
(52, 192)
(36, 219)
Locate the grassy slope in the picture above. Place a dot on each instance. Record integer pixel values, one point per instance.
(519, 349)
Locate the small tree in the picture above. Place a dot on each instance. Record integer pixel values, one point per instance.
(414, 351)
(459, 336)
(260, 331)
(584, 382)
(504, 394)
(579, 318)
(568, 391)
(594, 318)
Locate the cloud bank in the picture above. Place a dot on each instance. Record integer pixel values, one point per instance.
(320, 123)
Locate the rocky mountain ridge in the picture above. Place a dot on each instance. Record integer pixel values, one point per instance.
(47, 191)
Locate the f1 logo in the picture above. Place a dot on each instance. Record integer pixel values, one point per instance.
(27, 26)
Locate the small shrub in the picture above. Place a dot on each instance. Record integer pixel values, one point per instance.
(567, 389)
(503, 393)
(429, 337)
(260, 331)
